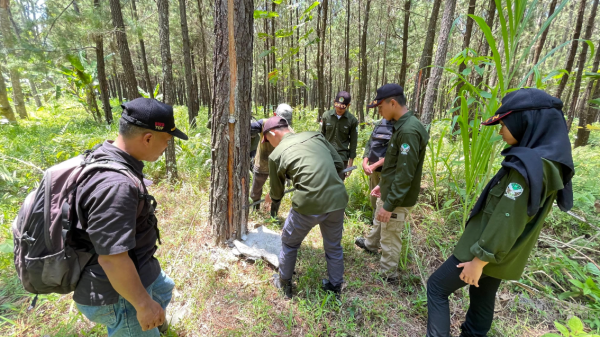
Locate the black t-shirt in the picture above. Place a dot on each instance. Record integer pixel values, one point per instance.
(108, 203)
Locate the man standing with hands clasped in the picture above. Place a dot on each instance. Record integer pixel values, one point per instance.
(340, 129)
(400, 178)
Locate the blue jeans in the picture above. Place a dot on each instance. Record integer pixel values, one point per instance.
(121, 318)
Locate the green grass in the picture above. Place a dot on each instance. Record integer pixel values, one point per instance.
(240, 301)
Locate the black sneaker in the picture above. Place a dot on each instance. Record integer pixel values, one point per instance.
(360, 242)
(327, 286)
(284, 285)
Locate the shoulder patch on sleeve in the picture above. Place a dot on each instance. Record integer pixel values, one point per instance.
(513, 191)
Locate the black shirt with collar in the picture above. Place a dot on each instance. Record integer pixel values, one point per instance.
(108, 202)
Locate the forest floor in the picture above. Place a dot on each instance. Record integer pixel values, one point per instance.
(236, 298)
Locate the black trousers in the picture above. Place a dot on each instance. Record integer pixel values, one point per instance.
(444, 282)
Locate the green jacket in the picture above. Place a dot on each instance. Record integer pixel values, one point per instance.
(313, 165)
(503, 234)
(341, 133)
(401, 174)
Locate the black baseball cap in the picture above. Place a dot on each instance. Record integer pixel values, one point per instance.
(274, 122)
(342, 99)
(521, 100)
(386, 91)
(151, 114)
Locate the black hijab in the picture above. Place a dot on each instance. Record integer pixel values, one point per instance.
(536, 121)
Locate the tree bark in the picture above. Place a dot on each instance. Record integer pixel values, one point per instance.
(191, 90)
(121, 37)
(323, 11)
(581, 64)
(230, 135)
(573, 50)
(404, 66)
(9, 43)
(5, 108)
(588, 112)
(148, 84)
(101, 69)
(427, 53)
(489, 20)
(540, 45)
(440, 60)
(168, 84)
(204, 86)
(466, 41)
(347, 50)
(363, 68)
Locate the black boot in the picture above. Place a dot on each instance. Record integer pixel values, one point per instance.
(327, 286)
(360, 242)
(284, 285)
(256, 208)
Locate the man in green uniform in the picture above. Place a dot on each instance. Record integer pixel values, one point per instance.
(313, 165)
(400, 178)
(263, 150)
(340, 128)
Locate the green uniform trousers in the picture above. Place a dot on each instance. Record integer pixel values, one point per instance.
(389, 236)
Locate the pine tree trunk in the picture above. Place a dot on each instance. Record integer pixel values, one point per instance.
(148, 84)
(363, 67)
(427, 54)
(5, 108)
(121, 36)
(588, 112)
(404, 66)
(581, 64)
(573, 50)
(230, 136)
(440, 60)
(101, 69)
(347, 49)
(168, 84)
(323, 11)
(9, 43)
(540, 45)
(34, 92)
(192, 97)
(491, 14)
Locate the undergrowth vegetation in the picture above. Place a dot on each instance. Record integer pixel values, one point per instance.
(561, 280)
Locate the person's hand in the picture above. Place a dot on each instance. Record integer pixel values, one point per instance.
(372, 168)
(383, 215)
(367, 168)
(150, 315)
(472, 271)
(268, 199)
(376, 192)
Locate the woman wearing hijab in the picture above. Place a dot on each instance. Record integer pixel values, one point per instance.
(506, 221)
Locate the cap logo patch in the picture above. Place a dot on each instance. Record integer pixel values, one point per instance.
(159, 126)
(341, 100)
(513, 191)
(404, 148)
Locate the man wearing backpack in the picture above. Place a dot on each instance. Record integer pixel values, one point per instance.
(125, 288)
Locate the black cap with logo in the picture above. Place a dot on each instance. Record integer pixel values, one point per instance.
(153, 115)
(342, 99)
(386, 91)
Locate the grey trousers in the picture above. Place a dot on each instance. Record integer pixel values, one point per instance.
(295, 230)
(258, 181)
